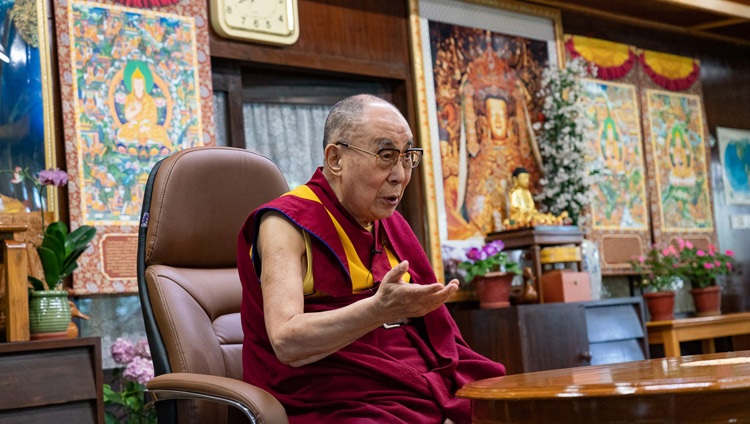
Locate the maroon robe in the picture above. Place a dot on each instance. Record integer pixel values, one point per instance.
(407, 374)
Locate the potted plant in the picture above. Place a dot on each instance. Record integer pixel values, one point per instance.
(701, 267)
(491, 272)
(49, 310)
(660, 277)
(126, 399)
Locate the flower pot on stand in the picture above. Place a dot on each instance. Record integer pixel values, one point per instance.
(660, 305)
(707, 301)
(493, 289)
(49, 314)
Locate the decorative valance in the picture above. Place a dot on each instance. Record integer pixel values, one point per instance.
(614, 60)
(674, 73)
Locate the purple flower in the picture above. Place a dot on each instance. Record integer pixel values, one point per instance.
(140, 370)
(122, 351)
(142, 350)
(474, 254)
(54, 177)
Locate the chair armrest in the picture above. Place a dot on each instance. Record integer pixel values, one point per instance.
(257, 404)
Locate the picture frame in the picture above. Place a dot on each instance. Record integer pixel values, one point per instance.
(527, 32)
(734, 146)
(27, 125)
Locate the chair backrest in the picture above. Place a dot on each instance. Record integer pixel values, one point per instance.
(194, 205)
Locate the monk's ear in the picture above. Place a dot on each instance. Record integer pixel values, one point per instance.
(332, 158)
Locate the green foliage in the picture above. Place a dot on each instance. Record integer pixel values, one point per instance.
(59, 253)
(127, 406)
(487, 259)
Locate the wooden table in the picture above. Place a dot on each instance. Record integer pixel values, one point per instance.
(664, 390)
(671, 333)
(534, 238)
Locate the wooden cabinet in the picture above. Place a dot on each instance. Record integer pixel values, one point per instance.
(538, 337)
(527, 338)
(55, 381)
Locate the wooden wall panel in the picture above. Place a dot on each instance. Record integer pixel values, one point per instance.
(368, 38)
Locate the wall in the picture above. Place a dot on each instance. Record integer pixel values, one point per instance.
(725, 78)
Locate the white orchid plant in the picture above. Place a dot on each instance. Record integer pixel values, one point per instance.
(570, 168)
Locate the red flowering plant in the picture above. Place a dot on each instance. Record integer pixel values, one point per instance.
(487, 259)
(60, 249)
(659, 269)
(701, 266)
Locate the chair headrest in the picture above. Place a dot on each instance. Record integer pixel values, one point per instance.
(200, 199)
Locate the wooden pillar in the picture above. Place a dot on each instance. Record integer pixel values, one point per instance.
(15, 274)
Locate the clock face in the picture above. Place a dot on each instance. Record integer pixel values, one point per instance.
(268, 21)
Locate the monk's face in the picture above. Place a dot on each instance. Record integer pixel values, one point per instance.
(497, 112)
(368, 191)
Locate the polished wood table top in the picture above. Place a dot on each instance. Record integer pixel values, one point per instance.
(702, 389)
(672, 332)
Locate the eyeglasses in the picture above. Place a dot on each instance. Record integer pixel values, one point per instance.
(388, 158)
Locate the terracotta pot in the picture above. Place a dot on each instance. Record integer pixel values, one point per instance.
(660, 305)
(493, 289)
(707, 301)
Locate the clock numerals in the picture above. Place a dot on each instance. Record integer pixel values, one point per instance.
(272, 21)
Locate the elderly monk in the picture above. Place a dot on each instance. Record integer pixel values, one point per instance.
(344, 320)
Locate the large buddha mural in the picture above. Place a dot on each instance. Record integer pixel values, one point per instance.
(484, 85)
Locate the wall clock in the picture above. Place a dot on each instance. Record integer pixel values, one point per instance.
(264, 21)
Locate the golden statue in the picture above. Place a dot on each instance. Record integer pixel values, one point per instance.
(523, 212)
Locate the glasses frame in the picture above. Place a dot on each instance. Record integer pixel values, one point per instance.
(401, 155)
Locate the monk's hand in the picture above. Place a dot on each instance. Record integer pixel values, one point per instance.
(397, 299)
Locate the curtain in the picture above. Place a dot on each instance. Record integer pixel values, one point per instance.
(291, 135)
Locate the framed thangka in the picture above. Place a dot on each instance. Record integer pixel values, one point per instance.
(27, 133)
(675, 123)
(620, 221)
(734, 153)
(478, 69)
(136, 93)
(677, 156)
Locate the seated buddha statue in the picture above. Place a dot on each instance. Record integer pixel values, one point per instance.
(523, 212)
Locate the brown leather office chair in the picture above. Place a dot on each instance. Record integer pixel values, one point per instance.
(195, 202)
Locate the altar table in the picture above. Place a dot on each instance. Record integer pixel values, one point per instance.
(672, 332)
(534, 239)
(700, 389)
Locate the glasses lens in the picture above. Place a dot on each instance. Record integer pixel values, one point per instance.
(412, 158)
(387, 158)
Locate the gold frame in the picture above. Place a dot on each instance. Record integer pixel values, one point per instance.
(434, 247)
(47, 84)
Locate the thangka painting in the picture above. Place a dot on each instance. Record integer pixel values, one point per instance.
(134, 93)
(483, 85)
(675, 122)
(621, 202)
(478, 71)
(620, 221)
(734, 153)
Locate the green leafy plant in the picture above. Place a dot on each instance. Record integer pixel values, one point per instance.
(701, 266)
(659, 269)
(489, 258)
(60, 249)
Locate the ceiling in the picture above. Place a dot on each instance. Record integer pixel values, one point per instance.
(727, 20)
